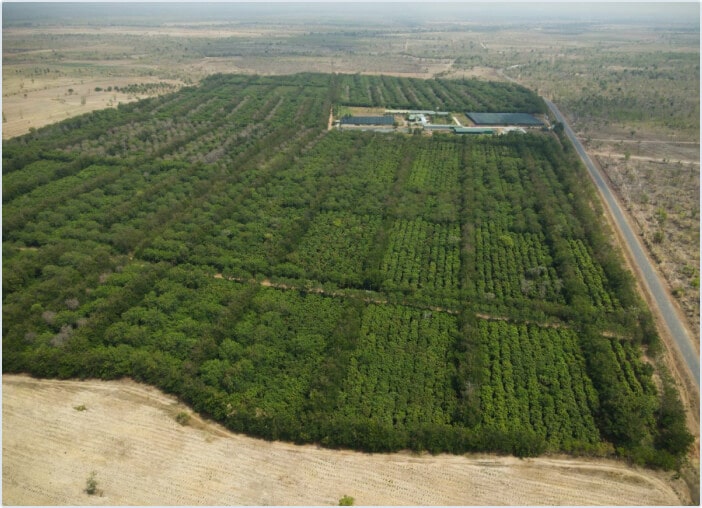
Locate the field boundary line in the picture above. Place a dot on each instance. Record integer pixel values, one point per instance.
(384, 301)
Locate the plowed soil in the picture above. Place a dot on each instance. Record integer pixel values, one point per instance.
(55, 433)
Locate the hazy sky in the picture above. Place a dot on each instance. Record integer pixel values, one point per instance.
(387, 12)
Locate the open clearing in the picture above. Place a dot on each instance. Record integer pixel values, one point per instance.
(50, 448)
(48, 101)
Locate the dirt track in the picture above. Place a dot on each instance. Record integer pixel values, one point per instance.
(128, 435)
(642, 158)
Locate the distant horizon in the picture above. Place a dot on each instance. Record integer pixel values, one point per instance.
(376, 13)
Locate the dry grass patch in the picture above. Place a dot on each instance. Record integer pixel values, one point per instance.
(49, 449)
(50, 101)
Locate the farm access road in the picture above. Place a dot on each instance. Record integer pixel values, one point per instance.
(660, 298)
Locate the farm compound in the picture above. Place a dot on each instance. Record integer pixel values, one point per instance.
(482, 123)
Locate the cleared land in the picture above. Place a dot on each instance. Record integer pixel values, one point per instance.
(50, 449)
(49, 101)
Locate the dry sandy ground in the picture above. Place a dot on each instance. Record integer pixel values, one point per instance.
(50, 102)
(128, 435)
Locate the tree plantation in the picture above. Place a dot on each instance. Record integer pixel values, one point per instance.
(354, 289)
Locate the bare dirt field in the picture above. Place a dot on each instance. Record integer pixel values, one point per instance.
(45, 102)
(406, 67)
(56, 433)
(477, 72)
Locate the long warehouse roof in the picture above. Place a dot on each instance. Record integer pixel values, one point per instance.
(504, 119)
(367, 120)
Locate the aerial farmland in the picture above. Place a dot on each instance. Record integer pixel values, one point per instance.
(293, 245)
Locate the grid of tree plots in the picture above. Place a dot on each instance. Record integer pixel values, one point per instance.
(436, 94)
(347, 288)
(422, 256)
(396, 342)
(538, 383)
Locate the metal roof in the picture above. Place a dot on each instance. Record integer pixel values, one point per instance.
(504, 119)
(473, 130)
(367, 120)
(435, 126)
(416, 111)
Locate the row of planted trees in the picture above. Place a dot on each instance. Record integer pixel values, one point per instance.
(436, 94)
(110, 257)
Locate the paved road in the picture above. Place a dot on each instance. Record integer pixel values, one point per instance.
(651, 279)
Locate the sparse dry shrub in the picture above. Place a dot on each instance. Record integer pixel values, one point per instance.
(62, 336)
(49, 316)
(91, 485)
(183, 418)
(72, 303)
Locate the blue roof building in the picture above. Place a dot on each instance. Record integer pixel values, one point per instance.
(367, 120)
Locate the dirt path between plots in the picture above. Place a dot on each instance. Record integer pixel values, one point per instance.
(643, 158)
(127, 435)
(383, 301)
(336, 294)
(652, 141)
